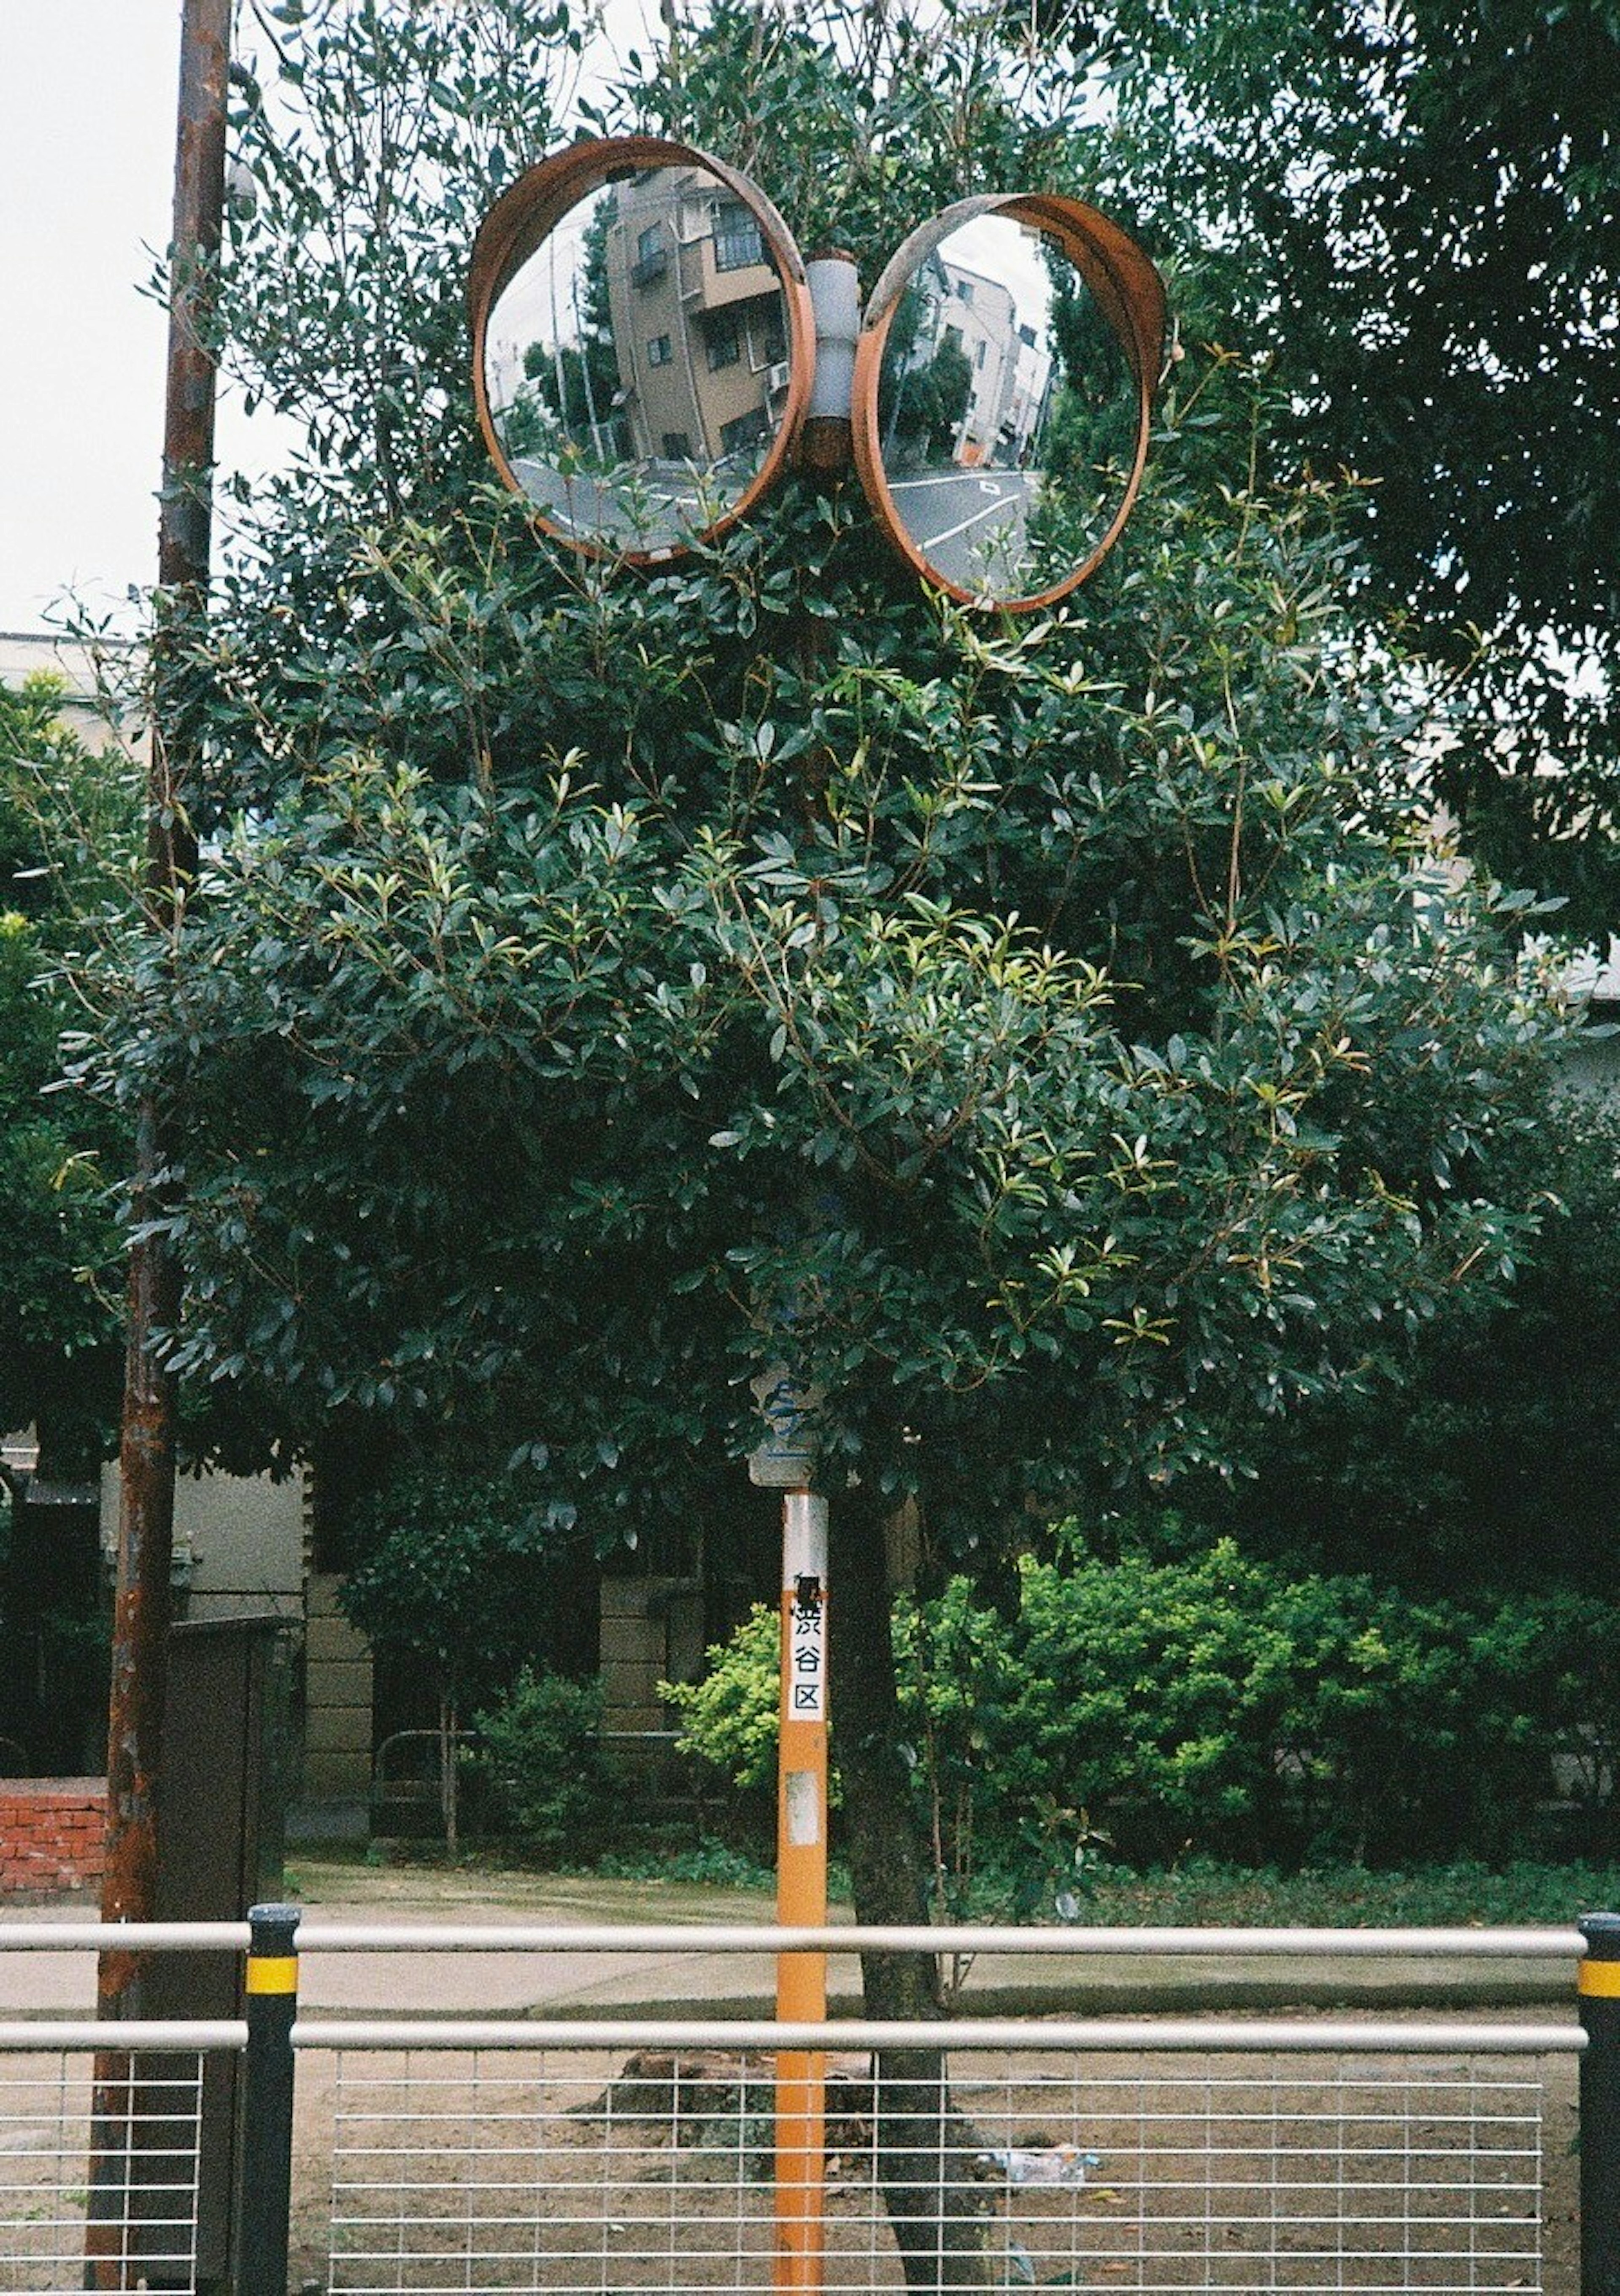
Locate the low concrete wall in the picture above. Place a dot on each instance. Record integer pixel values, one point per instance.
(52, 1835)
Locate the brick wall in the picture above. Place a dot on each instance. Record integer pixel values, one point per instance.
(52, 1835)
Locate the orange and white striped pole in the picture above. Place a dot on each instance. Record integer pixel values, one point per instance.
(801, 1893)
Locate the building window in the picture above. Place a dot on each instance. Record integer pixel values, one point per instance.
(724, 344)
(676, 446)
(658, 351)
(978, 357)
(738, 244)
(651, 260)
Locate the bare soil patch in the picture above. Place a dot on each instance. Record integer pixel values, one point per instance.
(580, 2172)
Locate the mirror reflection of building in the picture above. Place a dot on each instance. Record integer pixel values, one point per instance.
(1006, 411)
(648, 356)
(637, 363)
(697, 319)
(970, 374)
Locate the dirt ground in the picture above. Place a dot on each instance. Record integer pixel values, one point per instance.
(577, 2174)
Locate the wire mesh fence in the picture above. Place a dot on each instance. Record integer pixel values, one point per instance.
(103, 2166)
(652, 2170)
(636, 2155)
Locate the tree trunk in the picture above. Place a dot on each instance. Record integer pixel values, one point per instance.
(938, 2208)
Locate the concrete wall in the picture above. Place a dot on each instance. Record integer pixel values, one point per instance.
(337, 1699)
(239, 1541)
(1592, 1064)
(242, 1544)
(651, 1632)
(24, 654)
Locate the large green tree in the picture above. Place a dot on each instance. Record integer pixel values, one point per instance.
(1414, 208)
(1065, 1043)
(449, 1580)
(65, 821)
(1493, 1462)
(596, 984)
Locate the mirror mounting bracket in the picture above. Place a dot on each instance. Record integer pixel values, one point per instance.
(826, 442)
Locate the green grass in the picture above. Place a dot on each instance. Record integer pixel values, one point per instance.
(715, 1863)
(1198, 1892)
(1203, 1893)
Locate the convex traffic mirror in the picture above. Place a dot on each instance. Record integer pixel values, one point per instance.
(643, 344)
(1003, 388)
(643, 353)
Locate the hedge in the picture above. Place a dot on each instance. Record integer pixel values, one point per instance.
(1218, 1704)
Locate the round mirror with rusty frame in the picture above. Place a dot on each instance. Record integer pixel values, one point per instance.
(643, 345)
(1004, 384)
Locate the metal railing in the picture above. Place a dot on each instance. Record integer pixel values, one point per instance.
(99, 2154)
(1382, 2155)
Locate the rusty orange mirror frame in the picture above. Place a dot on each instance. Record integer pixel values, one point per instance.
(526, 214)
(1127, 287)
(1129, 294)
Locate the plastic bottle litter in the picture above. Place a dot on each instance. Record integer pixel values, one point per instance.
(1045, 2164)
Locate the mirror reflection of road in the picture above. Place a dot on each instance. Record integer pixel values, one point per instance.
(969, 524)
(654, 511)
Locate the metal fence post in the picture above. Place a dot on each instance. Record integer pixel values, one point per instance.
(266, 2119)
(1599, 1988)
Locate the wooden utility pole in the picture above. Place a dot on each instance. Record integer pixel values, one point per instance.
(147, 1453)
(120, 2126)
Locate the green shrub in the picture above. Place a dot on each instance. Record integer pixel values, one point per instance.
(1149, 1696)
(1213, 1702)
(708, 1864)
(541, 1758)
(730, 1718)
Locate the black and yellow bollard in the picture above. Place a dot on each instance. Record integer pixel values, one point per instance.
(1599, 1984)
(267, 2118)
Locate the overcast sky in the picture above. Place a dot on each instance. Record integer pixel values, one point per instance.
(87, 91)
(86, 153)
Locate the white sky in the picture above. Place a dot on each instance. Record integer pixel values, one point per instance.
(87, 92)
(86, 154)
